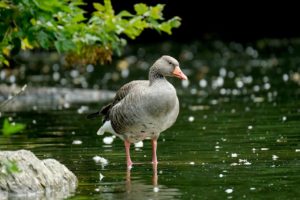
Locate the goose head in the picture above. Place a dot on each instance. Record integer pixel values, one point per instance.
(169, 66)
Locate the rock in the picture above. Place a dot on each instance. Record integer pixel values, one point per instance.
(37, 179)
(48, 97)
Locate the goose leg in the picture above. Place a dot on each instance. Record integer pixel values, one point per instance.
(128, 159)
(154, 147)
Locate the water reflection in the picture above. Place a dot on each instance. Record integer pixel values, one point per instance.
(137, 188)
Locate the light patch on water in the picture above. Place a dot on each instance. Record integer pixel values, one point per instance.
(250, 127)
(101, 160)
(285, 77)
(192, 163)
(139, 144)
(90, 68)
(155, 189)
(191, 118)
(222, 72)
(100, 176)
(222, 91)
(239, 83)
(77, 142)
(185, 83)
(125, 73)
(256, 88)
(234, 155)
(229, 190)
(252, 188)
(203, 83)
(257, 99)
(219, 82)
(214, 102)
(67, 105)
(244, 162)
(82, 109)
(284, 118)
(231, 74)
(274, 157)
(297, 150)
(108, 140)
(221, 175)
(34, 121)
(264, 149)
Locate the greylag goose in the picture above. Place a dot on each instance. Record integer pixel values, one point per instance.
(143, 108)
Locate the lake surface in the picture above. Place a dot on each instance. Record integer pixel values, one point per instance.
(237, 135)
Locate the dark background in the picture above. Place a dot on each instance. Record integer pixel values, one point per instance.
(241, 21)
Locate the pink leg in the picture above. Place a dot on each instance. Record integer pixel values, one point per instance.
(154, 147)
(128, 159)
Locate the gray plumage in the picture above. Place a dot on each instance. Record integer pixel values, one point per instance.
(143, 108)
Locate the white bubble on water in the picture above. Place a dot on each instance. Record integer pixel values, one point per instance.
(185, 83)
(284, 118)
(229, 190)
(139, 144)
(274, 157)
(191, 118)
(108, 140)
(234, 155)
(155, 189)
(100, 176)
(267, 86)
(101, 160)
(203, 83)
(285, 77)
(77, 142)
(264, 149)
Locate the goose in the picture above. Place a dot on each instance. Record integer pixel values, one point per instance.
(143, 108)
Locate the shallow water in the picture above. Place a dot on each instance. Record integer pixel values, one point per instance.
(231, 140)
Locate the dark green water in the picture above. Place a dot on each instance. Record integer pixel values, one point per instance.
(238, 137)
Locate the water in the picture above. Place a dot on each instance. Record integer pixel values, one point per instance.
(236, 137)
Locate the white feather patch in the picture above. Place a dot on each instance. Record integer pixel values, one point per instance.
(106, 127)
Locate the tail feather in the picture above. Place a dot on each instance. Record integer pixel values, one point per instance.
(105, 109)
(106, 127)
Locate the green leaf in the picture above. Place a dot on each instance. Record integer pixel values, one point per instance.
(108, 7)
(43, 39)
(99, 7)
(156, 11)
(125, 13)
(166, 27)
(140, 8)
(4, 5)
(10, 129)
(175, 22)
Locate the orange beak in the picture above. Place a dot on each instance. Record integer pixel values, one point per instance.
(179, 74)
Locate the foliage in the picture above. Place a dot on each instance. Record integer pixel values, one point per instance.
(8, 167)
(11, 128)
(61, 25)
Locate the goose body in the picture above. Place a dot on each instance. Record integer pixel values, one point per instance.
(144, 108)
